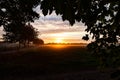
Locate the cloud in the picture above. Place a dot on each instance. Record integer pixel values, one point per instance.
(52, 26)
(53, 23)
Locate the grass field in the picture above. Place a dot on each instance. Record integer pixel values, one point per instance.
(46, 60)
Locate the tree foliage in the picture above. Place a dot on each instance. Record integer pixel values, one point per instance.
(86, 37)
(18, 10)
(102, 18)
(14, 14)
(24, 34)
(38, 41)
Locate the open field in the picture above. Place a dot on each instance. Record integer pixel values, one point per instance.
(50, 62)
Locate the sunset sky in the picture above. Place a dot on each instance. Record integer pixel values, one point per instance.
(53, 29)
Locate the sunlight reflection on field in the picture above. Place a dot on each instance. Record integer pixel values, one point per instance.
(61, 46)
(58, 46)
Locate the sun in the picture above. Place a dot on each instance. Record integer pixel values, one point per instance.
(59, 40)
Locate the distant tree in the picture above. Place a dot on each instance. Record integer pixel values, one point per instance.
(30, 33)
(25, 35)
(38, 41)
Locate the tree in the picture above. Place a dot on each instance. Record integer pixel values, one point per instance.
(25, 35)
(17, 10)
(102, 18)
(14, 15)
(38, 41)
(29, 33)
(98, 15)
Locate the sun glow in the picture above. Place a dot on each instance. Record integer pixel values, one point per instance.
(58, 46)
(59, 40)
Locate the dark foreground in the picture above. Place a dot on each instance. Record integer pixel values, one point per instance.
(56, 62)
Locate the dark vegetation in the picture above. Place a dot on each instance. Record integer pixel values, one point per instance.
(49, 60)
(15, 18)
(38, 41)
(86, 37)
(24, 36)
(102, 18)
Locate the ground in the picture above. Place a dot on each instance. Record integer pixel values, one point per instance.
(50, 62)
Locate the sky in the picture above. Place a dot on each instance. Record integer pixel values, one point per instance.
(53, 30)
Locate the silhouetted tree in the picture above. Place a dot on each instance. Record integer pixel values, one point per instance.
(30, 33)
(25, 35)
(102, 18)
(38, 41)
(17, 10)
(14, 14)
